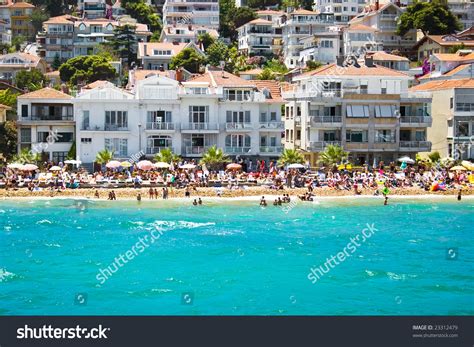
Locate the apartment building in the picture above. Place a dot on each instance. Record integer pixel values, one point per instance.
(431, 44)
(93, 9)
(5, 32)
(45, 123)
(452, 132)
(344, 11)
(11, 63)
(365, 108)
(383, 21)
(217, 108)
(67, 36)
(297, 25)
(196, 12)
(158, 55)
(321, 47)
(260, 37)
(20, 23)
(186, 33)
(445, 66)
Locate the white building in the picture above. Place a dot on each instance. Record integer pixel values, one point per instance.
(185, 33)
(216, 108)
(321, 47)
(365, 108)
(46, 123)
(259, 37)
(343, 11)
(194, 12)
(158, 55)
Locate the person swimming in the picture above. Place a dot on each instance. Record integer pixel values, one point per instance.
(139, 197)
(263, 201)
(385, 202)
(195, 202)
(199, 201)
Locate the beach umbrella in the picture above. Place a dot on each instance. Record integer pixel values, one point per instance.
(73, 162)
(295, 166)
(145, 165)
(113, 164)
(187, 166)
(54, 168)
(30, 167)
(234, 166)
(15, 166)
(406, 160)
(162, 165)
(467, 164)
(126, 164)
(458, 168)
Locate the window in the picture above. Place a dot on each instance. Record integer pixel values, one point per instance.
(59, 156)
(237, 140)
(384, 136)
(263, 117)
(115, 120)
(420, 135)
(386, 111)
(451, 103)
(358, 111)
(356, 135)
(25, 135)
(85, 120)
(330, 111)
(86, 140)
(198, 114)
(64, 137)
(197, 91)
(329, 136)
(159, 117)
(24, 110)
(462, 129)
(238, 116)
(236, 95)
(117, 146)
(273, 116)
(159, 141)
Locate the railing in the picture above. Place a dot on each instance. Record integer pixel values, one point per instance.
(238, 126)
(200, 126)
(114, 127)
(195, 150)
(271, 149)
(155, 150)
(237, 149)
(388, 16)
(321, 145)
(416, 145)
(416, 120)
(271, 125)
(52, 117)
(160, 126)
(325, 119)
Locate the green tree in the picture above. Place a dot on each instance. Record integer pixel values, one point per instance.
(206, 40)
(266, 74)
(71, 155)
(8, 139)
(143, 13)
(232, 17)
(27, 156)
(104, 156)
(290, 156)
(8, 98)
(155, 37)
(214, 158)
(86, 69)
(124, 42)
(434, 157)
(305, 4)
(166, 155)
(332, 155)
(456, 48)
(189, 59)
(312, 65)
(37, 17)
(56, 62)
(432, 18)
(17, 41)
(31, 80)
(217, 52)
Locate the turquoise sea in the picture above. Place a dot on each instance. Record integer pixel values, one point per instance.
(235, 258)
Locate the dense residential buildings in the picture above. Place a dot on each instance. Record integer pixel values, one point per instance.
(11, 63)
(365, 108)
(20, 22)
(431, 44)
(67, 36)
(195, 12)
(45, 123)
(452, 132)
(185, 33)
(158, 55)
(92, 9)
(5, 32)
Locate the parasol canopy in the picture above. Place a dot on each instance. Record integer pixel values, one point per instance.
(113, 164)
(145, 165)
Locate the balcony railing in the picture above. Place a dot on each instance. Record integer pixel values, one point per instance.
(52, 117)
(156, 150)
(272, 125)
(160, 126)
(271, 149)
(238, 126)
(237, 150)
(325, 119)
(195, 150)
(200, 126)
(321, 145)
(416, 120)
(415, 145)
(115, 127)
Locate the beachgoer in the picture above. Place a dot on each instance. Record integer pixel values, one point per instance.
(156, 193)
(263, 202)
(199, 201)
(139, 197)
(195, 202)
(151, 193)
(385, 202)
(275, 203)
(187, 193)
(459, 194)
(97, 194)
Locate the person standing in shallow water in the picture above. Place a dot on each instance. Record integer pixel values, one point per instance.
(459, 194)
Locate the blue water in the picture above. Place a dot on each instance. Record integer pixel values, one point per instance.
(236, 258)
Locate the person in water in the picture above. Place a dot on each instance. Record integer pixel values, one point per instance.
(459, 194)
(385, 202)
(139, 197)
(195, 202)
(263, 202)
(199, 201)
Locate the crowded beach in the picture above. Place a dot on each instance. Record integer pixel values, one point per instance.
(187, 179)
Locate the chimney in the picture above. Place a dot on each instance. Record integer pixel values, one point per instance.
(179, 75)
(340, 60)
(64, 88)
(377, 5)
(144, 50)
(369, 61)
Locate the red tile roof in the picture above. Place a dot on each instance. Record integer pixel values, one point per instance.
(444, 84)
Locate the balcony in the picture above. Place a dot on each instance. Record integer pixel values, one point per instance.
(279, 126)
(238, 126)
(321, 145)
(237, 150)
(160, 126)
(115, 127)
(415, 146)
(190, 127)
(424, 121)
(52, 117)
(195, 150)
(390, 17)
(325, 120)
(271, 149)
(156, 150)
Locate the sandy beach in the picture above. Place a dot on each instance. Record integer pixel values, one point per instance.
(131, 193)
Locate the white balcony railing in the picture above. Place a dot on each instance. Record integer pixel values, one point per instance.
(200, 126)
(160, 126)
(415, 145)
(271, 125)
(242, 150)
(156, 150)
(321, 145)
(416, 120)
(271, 149)
(238, 126)
(195, 150)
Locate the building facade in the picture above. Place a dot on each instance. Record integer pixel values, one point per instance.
(364, 108)
(343, 11)
(11, 63)
(260, 37)
(195, 12)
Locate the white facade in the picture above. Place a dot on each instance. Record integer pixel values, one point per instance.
(343, 11)
(195, 12)
(187, 117)
(321, 47)
(259, 37)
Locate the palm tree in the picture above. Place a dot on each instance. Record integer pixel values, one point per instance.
(27, 156)
(166, 155)
(332, 155)
(214, 157)
(103, 157)
(290, 156)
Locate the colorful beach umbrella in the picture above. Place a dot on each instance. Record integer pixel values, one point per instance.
(145, 165)
(125, 164)
(188, 166)
(458, 168)
(113, 164)
(54, 168)
(467, 164)
(30, 167)
(406, 159)
(234, 166)
(161, 165)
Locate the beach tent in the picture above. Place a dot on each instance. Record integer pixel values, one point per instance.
(29, 167)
